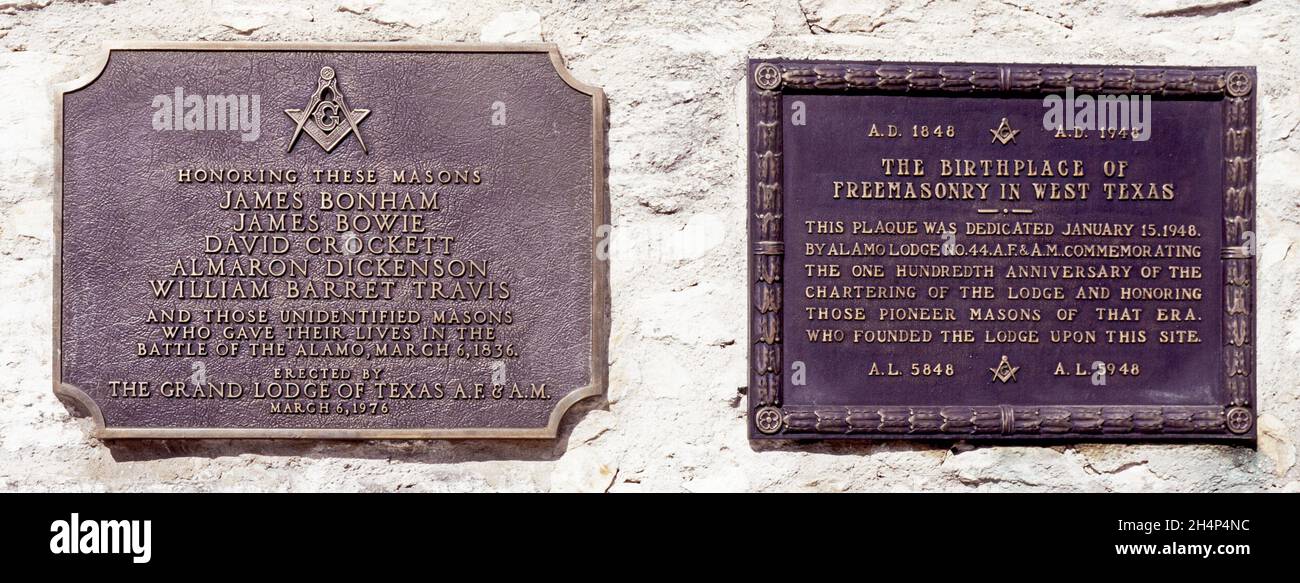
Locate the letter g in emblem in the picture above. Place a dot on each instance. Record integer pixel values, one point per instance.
(327, 115)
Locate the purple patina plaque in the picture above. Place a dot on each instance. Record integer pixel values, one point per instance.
(330, 241)
(985, 251)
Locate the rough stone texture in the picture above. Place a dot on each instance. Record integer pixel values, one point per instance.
(672, 419)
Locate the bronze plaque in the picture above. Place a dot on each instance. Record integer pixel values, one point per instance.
(1011, 252)
(330, 241)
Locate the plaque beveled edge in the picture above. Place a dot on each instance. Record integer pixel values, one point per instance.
(1233, 420)
(600, 322)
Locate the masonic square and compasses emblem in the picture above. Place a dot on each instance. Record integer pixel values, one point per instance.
(327, 118)
(1004, 371)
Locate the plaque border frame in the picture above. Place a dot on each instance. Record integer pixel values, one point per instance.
(600, 320)
(768, 79)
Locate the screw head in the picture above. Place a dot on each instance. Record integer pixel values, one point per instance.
(769, 420)
(767, 76)
(1238, 83)
(1240, 419)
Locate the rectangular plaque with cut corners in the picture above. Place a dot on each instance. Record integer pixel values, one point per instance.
(1001, 252)
(339, 241)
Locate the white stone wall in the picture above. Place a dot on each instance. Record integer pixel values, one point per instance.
(672, 419)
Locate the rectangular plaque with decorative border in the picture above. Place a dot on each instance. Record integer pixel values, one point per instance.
(334, 241)
(1001, 251)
